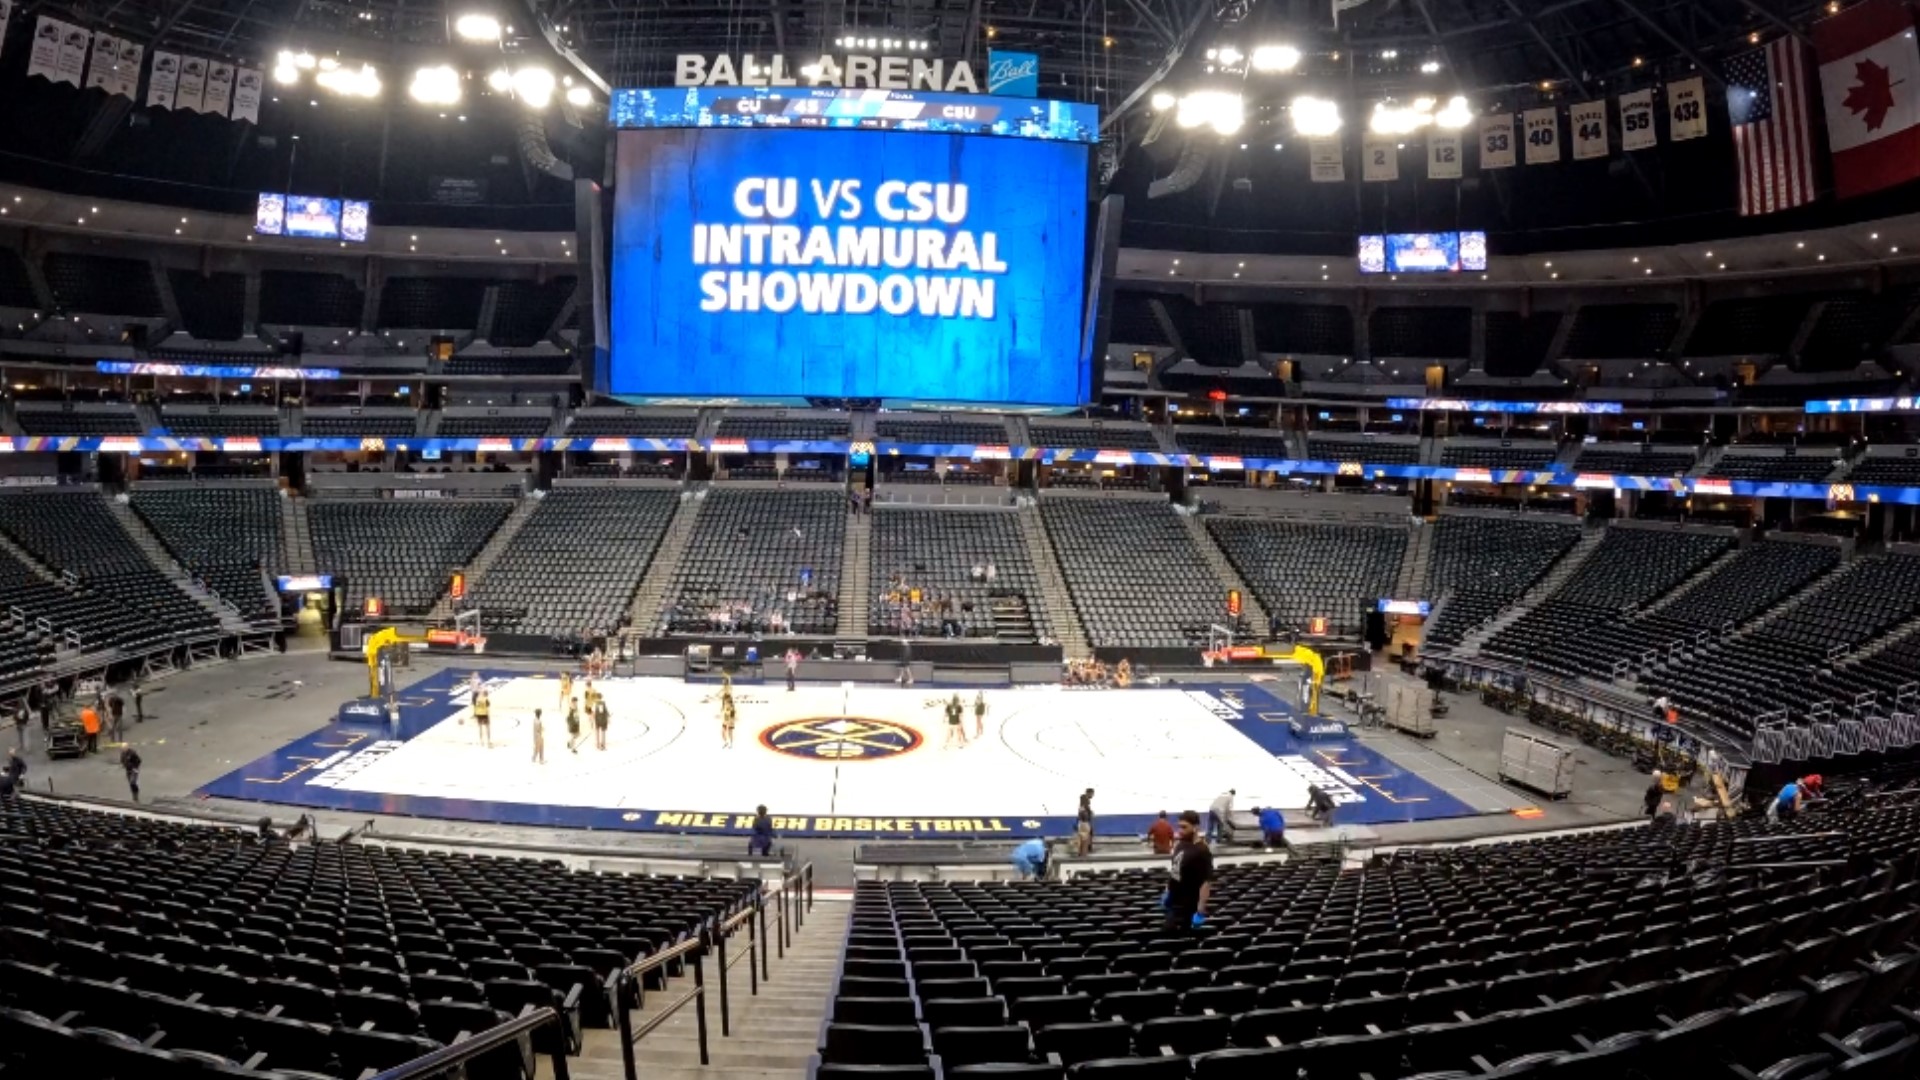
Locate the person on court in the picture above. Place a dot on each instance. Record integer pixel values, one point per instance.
(573, 726)
(600, 720)
(483, 718)
(566, 686)
(727, 717)
(980, 714)
(956, 734)
(539, 739)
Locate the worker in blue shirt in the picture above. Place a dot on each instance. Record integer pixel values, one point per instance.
(1273, 827)
(1030, 858)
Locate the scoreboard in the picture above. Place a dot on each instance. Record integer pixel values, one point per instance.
(833, 107)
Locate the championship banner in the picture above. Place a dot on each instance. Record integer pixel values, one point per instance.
(219, 88)
(44, 60)
(106, 53)
(192, 93)
(164, 80)
(1443, 155)
(1636, 120)
(1542, 127)
(1496, 141)
(1379, 158)
(1326, 161)
(246, 95)
(1589, 130)
(6, 12)
(72, 65)
(1686, 109)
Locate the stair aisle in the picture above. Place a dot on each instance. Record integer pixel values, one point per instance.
(644, 615)
(163, 561)
(1224, 570)
(1411, 583)
(775, 1033)
(1061, 614)
(297, 536)
(489, 553)
(856, 576)
(1548, 584)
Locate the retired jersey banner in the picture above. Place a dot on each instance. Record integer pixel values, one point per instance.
(1636, 120)
(1687, 109)
(1589, 123)
(1443, 155)
(72, 66)
(115, 66)
(1542, 127)
(164, 80)
(1379, 157)
(1496, 141)
(1326, 162)
(246, 94)
(6, 12)
(192, 94)
(106, 53)
(219, 88)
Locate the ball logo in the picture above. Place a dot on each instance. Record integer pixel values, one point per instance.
(1838, 493)
(840, 738)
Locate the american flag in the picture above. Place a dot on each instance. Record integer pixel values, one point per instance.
(1767, 105)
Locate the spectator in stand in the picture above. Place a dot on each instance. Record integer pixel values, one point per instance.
(761, 842)
(1273, 827)
(1786, 804)
(20, 727)
(1160, 835)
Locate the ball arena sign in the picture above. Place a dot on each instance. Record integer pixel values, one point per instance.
(852, 72)
(840, 738)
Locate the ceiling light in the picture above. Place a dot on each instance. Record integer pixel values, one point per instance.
(1637, 61)
(579, 97)
(500, 81)
(1799, 244)
(534, 86)
(361, 82)
(1723, 266)
(1648, 270)
(302, 60)
(1819, 258)
(1275, 58)
(1314, 116)
(285, 74)
(1221, 110)
(1231, 56)
(435, 86)
(1636, 258)
(1163, 101)
(1873, 236)
(1455, 116)
(1753, 38)
(1390, 54)
(1431, 67)
(477, 27)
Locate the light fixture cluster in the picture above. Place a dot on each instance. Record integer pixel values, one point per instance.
(328, 73)
(857, 41)
(1394, 119)
(1273, 59)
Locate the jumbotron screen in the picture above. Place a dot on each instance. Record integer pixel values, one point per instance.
(754, 262)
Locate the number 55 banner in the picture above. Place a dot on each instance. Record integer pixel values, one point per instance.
(1686, 109)
(1636, 120)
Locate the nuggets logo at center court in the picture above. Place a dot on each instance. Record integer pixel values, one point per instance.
(840, 738)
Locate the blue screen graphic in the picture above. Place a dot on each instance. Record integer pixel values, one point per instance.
(848, 264)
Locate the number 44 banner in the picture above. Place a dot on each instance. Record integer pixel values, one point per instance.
(1589, 130)
(1543, 135)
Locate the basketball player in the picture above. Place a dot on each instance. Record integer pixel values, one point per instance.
(955, 733)
(727, 717)
(980, 714)
(566, 686)
(573, 725)
(600, 721)
(539, 739)
(483, 718)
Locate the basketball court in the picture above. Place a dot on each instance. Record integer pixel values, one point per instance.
(835, 760)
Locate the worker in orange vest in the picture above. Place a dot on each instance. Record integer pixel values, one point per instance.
(90, 725)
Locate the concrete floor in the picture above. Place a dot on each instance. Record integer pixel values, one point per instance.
(202, 724)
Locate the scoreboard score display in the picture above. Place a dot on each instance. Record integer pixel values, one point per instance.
(835, 243)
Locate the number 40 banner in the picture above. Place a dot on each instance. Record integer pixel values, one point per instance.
(1589, 130)
(1542, 127)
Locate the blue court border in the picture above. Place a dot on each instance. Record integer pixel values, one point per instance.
(1371, 788)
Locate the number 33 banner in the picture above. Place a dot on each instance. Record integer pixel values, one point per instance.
(1686, 109)
(1496, 141)
(1589, 130)
(1543, 135)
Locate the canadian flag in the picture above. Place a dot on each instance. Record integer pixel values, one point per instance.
(1870, 77)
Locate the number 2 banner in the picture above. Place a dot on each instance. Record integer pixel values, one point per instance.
(1542, 127)
(1496, 141)
(1636, 121)
(1686, 109)
(1379, 157)
(1589, 130)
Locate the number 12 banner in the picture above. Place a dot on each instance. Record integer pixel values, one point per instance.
(1443, 155)
(1589, 130)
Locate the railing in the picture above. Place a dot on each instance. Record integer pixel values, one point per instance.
(451, 1060)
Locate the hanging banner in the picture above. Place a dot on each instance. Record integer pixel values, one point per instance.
(126, 73)
(1496, 141)
(164, 80)
(1326, 162)
(1636, 120)
(106, 53)
(1589, 121)
(44, 60)
(1542, 127)
(1443, 155)
(219, 88)
(6, 12)
(72, 65)
(1686, 109)
(246, 95)
(192, 93)
(1379, 158)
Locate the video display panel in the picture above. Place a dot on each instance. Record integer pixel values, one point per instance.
(1423, 253)
(311, 217)
(823, 263)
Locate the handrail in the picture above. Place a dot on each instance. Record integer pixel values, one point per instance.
(441, 1061)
